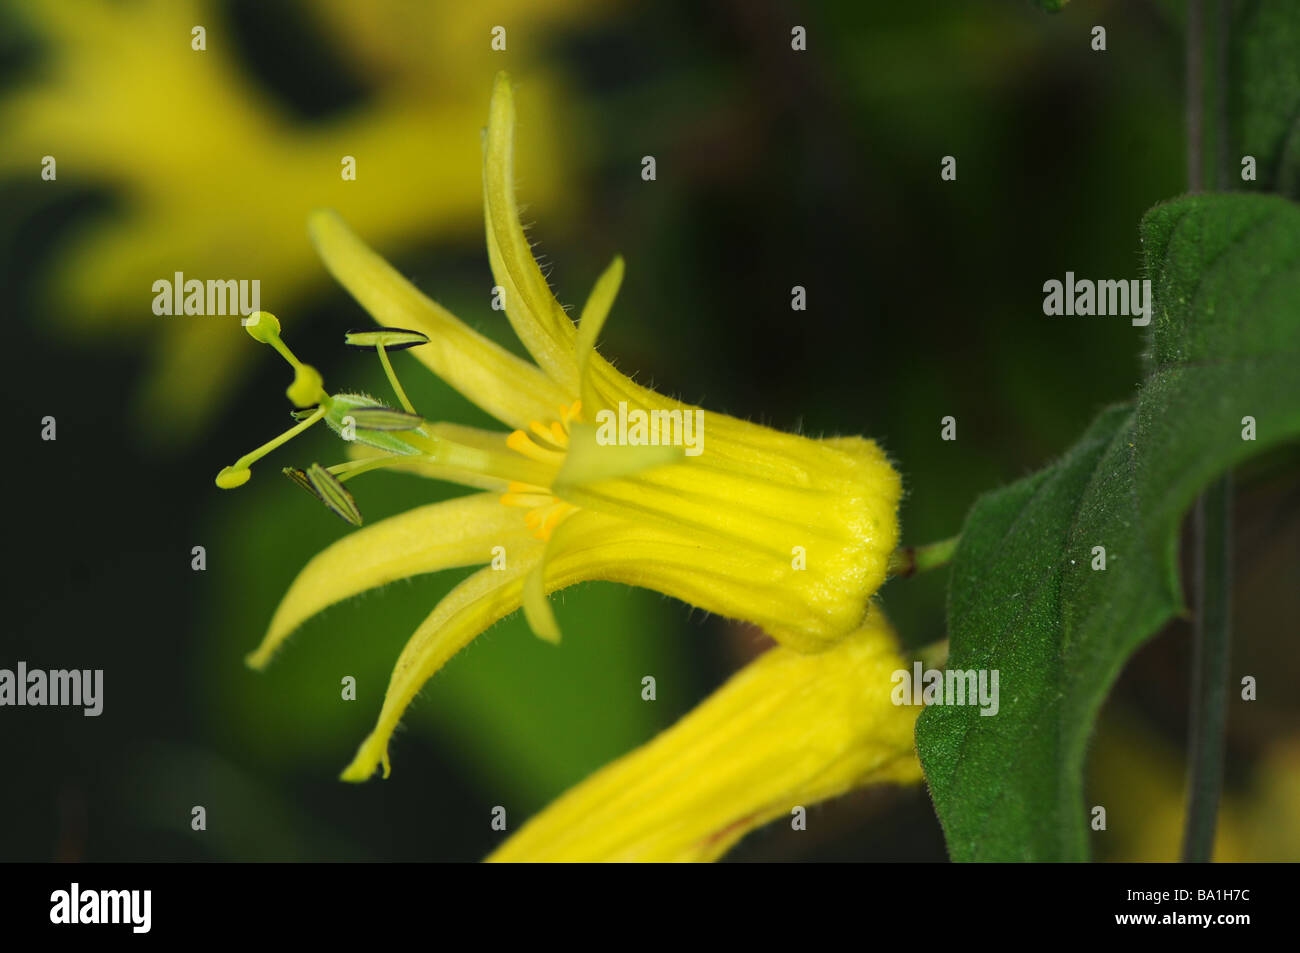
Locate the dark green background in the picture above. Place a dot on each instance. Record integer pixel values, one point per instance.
(774, 169)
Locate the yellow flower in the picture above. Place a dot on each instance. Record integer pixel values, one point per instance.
(790, 533)
(785, 732)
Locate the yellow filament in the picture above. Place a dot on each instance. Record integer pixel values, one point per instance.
(392, 379)
(547, 433)
(545, 511)
(551, 517)
(526, 499)
(520, 443)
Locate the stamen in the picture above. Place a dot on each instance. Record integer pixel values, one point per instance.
(545, 511)
(392, 379)
(395, 339)
(544, 432)
(333, 495)
(570, 412)
(354, 468)
(551, 517)
(518, 487)
(519, 442)
(526, 499)
(384, 340)
(299, 478)
(385, 418)
(238, 473)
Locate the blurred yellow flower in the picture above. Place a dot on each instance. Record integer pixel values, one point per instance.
(215, 180)
(787, 731)
(1141, 779)
(790, 533)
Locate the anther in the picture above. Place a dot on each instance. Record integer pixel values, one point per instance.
(518, 441)
(384, 340)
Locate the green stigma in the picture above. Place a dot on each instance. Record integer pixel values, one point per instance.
(399, 434)
(307, 388)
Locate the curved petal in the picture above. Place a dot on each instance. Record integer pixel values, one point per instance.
(477, 603)
(458, 532)
(585, 547)
(542, 325)
(785, 732)
(594, 313)
(510, 389)
(592, 546)
(801, 608)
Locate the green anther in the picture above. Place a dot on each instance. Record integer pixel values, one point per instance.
(341, 417)
(299, 478)
(333, 494)
(394, 339)
(385, 418)
(384, 340)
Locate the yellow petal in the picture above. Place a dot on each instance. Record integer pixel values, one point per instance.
(587, 461)
(537, 608)
(510, 389)
(787, 731)
(539, 321)
(593, 318)
(797, 607)
(796, 540)
(480, 601)
(458, 532)
(585, 547)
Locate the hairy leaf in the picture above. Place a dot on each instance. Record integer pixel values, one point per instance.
(1024, 597)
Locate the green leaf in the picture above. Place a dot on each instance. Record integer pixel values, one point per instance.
(1265, 89)
(1024, 598)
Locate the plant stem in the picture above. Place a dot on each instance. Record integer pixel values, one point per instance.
(1223, 167)
(1195, 94)
(1213, 519)
(909, 560)
(1209, 693)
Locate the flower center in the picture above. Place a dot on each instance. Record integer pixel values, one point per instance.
(548, 445)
